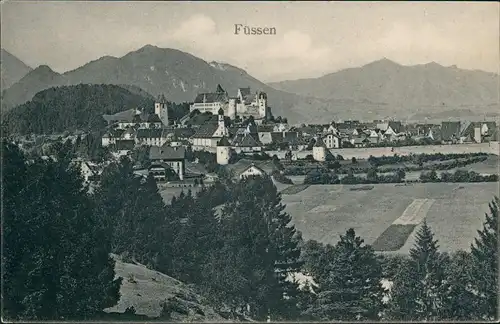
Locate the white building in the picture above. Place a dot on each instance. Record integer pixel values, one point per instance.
(166, 157)
(319, 150)
(245, 104)
(331, 141)
(252, 170)
(223, 151)
(209, 134)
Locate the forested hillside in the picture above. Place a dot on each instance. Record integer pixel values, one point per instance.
(232, 243)
(71, 108)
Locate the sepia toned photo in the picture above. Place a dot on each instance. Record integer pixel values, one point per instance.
(238, 161)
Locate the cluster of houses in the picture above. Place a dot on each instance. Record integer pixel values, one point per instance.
(253, 133)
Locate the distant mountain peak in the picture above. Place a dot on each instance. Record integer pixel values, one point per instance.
(383, 62)
(148, 47)
(433, 64)
(44, 69)
(12, 69)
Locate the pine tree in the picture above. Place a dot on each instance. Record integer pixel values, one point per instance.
(462, 304)
(117, 203)
(261, 247)
(197, 236)
(152, 236)
(485, 260)
(57, 265)
(135, 211)
(420, 290)
(352, 289)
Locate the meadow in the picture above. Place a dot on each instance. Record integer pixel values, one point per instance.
(455, 211)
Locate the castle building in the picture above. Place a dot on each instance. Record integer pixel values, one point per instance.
(245, 104)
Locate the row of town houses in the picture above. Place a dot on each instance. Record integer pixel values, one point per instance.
(132, 128)
(168, 141)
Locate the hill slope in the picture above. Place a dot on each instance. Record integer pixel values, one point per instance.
(36, 80)
(178, 75)
(12, 69)
(72, 107)
(150, 288)
(384, 82)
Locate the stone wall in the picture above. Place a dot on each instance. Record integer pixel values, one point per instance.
(364, 153)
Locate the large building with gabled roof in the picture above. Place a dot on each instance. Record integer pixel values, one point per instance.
(210, 133)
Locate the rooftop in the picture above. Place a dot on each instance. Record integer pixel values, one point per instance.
(167, 153)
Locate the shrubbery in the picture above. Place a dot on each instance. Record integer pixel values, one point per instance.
(420, 159)
(278, 176)
(457, 176)
(421, 162)
(372, 177)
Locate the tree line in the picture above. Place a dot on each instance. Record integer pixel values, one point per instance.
(80, 107)
(232, 241)
(457, 176)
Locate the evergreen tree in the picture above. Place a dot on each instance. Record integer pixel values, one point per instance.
(197, 236)
(485, 260)
(351, 290)
(261, 247)
(317, 259)
(117, 203)
(152, 236)
(420, 289)
(135, 211)
(462, 304)
(56, 258)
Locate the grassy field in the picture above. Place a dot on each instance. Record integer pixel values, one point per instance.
(454, 211)
(393, 238)
(294, 189)
(489, 166)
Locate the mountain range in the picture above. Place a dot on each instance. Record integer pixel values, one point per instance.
(381, 89)
(12, 68)
(389, 83)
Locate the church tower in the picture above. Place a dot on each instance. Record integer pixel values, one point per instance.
(223, 151)
(161, 109)
(221, 129)
(262, 101)
(220, 118)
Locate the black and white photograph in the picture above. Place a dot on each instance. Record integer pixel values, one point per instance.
(250, 161)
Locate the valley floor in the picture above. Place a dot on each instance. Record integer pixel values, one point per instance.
(455, 211)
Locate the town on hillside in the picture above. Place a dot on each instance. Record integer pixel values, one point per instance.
(241, 129)
(169, 162)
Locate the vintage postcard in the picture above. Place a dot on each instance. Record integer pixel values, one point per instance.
(176, 161)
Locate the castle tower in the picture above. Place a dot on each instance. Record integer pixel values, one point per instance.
(223, 151)
(161, 109)
(262, 100)
(319, 150)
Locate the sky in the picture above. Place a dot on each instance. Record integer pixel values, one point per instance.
(312, 38)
